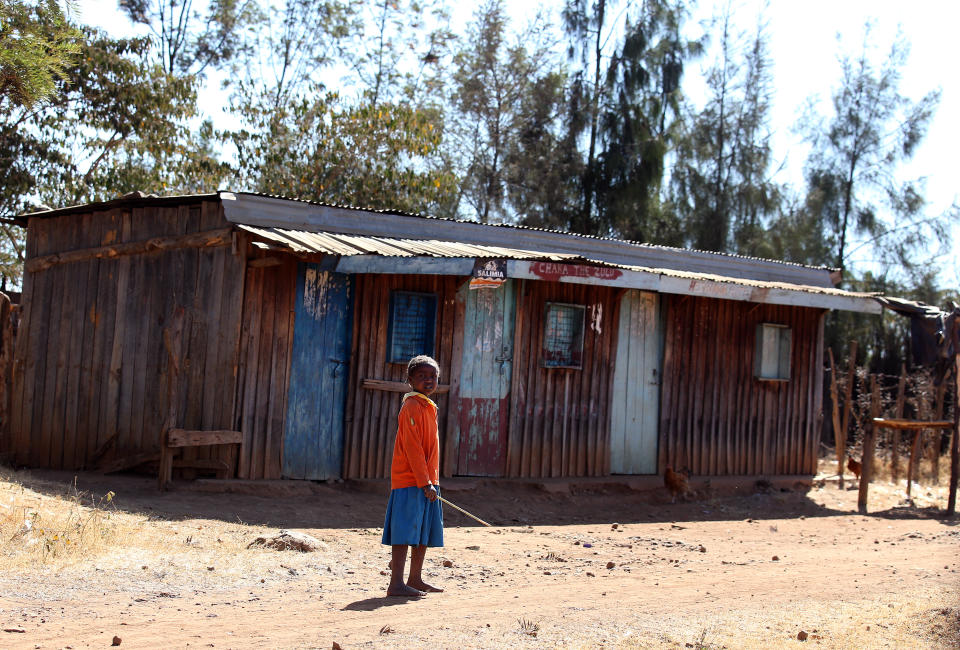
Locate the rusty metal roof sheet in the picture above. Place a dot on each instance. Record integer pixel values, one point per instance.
(301, 241)
(659, 279)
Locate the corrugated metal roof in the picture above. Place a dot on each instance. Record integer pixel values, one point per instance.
(662, 279)
(614, 250)
(419, 215)
(347, 245)
(270, 212)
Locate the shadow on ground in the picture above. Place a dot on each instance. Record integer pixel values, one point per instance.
(507, 503)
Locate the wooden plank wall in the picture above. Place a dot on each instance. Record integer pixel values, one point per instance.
(371, 415)
(9, 317)
(90, 364)
(716, 418)
(560, 418)
(263, 377)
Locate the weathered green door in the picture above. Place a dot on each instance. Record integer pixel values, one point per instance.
(485, 379)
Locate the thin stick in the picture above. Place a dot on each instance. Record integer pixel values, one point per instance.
(452, 505)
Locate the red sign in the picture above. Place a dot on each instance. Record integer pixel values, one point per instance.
(554, 272)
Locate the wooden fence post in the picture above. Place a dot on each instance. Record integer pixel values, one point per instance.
(869, 445)
(938, 439)
(895, 434)
(839, 438)
(955, 443)
(847, 405)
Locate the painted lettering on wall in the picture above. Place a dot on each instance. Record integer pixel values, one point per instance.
(553, 271)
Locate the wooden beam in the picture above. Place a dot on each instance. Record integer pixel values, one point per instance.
(209, 238)
(890, 423)
(184, 438)
(263, 262)
(396, 386)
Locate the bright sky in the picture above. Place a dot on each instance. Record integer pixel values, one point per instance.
(804, 52)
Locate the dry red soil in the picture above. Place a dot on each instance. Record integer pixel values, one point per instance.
(588, 566)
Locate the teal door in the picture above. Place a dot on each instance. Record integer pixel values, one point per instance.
(636, 387)
(313, 439)
(485, 379)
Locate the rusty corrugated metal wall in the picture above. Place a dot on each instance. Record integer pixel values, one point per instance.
(560, 418)
(371, 413)
(716, 418)
(91, 367)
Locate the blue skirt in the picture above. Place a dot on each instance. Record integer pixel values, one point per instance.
(412, 520)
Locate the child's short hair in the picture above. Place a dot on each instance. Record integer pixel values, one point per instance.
(422, 360)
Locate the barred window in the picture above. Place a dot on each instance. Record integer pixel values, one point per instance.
(413, 318)
(563, 336)
(772, 358)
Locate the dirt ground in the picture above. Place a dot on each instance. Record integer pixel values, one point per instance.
(571, 567)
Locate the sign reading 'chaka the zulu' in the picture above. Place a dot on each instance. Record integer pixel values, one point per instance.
(555, 272)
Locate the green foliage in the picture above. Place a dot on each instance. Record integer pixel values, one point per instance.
(187, 41)
(625, 112)
(325, 149)
(37, 45)
(132, 118)
(851, 173)
(398, 51)
(507, 98)
(285, 51)
(720, 186)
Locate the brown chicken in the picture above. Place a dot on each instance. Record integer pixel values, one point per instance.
(855, 467)
(676, 483)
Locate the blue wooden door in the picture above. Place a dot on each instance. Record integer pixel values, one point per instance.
(313, 439)
(636, 387)
(485, 380)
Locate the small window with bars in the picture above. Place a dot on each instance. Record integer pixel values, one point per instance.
(413, 325)
(772, 357)
(563, 336)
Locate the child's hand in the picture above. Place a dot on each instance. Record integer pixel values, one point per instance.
(430, 492)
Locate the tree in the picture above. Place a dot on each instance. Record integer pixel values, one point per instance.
(37, 45)
(398, 50)
(325, 149)
(188, 42)
(506, 101)
(720, 183)
(639, 123)
(587, 26)
(623, 107)
(115, 124)
(284, 56)
(852, 189)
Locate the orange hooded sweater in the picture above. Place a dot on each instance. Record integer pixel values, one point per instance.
(416, 452)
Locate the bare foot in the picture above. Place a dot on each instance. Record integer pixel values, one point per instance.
(405, 591)
(423, 586)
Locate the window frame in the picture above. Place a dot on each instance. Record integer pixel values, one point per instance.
(772, 369)
(430, 341)
(576, 352)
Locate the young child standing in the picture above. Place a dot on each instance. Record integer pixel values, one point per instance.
(414, 518)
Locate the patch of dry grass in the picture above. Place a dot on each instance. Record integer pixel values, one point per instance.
(36, 529)
(70, 537)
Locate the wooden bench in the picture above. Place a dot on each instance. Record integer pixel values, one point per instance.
(177, 438)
